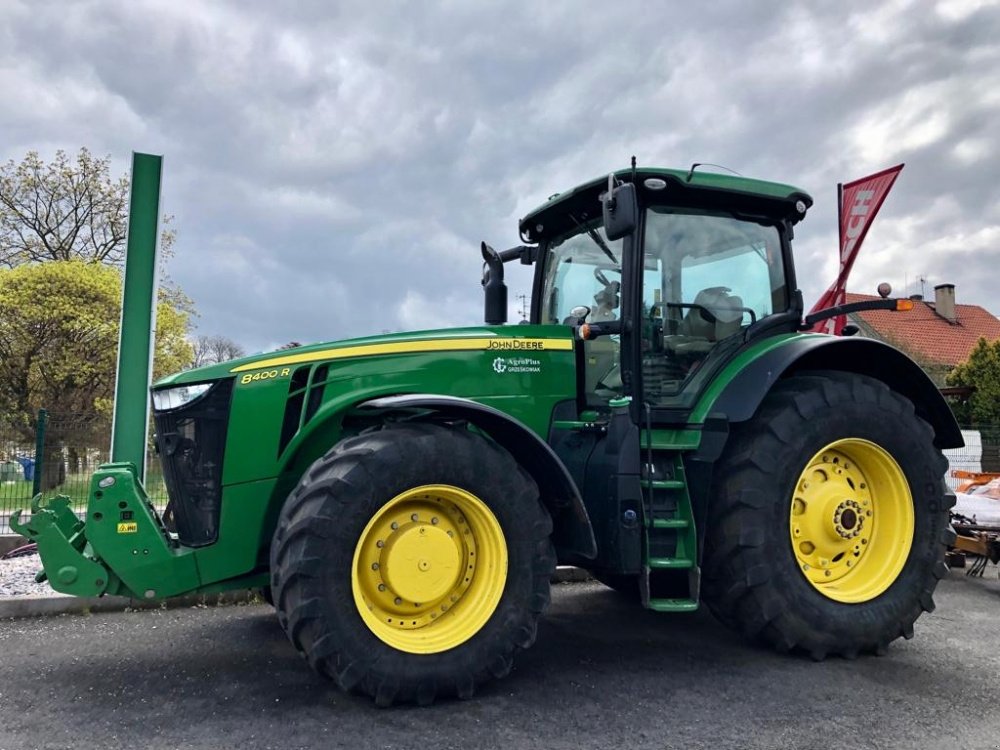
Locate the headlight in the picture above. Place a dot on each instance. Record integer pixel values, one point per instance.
(174, 398)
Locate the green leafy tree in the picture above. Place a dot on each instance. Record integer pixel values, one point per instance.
(72, 208)
(59, 325)
(981, 371)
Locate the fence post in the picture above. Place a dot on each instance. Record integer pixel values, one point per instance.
(43, 418)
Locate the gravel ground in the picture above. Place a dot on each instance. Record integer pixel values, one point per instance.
(17, 577)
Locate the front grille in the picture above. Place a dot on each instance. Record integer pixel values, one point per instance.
(191, 441)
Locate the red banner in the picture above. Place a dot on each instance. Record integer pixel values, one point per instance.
(859, 202)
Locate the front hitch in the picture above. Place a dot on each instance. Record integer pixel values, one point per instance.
(122, 548)
(67, 558)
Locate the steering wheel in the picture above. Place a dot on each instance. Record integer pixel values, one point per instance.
(707, 313)
(608, 299)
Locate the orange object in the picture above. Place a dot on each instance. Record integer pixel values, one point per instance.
(974, 478)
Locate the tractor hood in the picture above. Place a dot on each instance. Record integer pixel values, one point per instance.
(450, 339)
(265, 409)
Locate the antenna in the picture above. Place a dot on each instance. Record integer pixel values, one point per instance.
(923, 280)
(523, 312)
(709, 164)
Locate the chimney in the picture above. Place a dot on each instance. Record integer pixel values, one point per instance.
(944, 302)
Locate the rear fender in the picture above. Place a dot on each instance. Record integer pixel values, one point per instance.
(740, 398)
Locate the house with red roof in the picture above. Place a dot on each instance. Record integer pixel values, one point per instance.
(938, 334)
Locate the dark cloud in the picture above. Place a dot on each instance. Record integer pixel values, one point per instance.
(333, 167)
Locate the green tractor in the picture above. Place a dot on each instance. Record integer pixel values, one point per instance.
(663, 421)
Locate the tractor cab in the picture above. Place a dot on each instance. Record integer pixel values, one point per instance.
(704, 267)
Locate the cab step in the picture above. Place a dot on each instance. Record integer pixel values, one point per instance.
(673, 605)
(675, 563)
(671, 580)
(668, 523)
(664, 484)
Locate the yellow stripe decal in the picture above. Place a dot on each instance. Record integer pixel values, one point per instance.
(415, 347)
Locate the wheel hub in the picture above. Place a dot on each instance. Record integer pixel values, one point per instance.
(851, 520)
(420, 562)
(848, 519)
(429, 569)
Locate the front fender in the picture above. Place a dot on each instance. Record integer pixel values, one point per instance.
(744, 388)
(573, 533)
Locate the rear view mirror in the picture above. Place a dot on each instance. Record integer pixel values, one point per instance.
(620, 208)
(494, 287)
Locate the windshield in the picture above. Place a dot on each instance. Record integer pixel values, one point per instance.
(707, 276)
(583, 270)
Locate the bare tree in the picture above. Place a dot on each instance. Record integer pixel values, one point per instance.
(70, 208)
(210, 350)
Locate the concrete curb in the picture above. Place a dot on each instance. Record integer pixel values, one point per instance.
(41, 605)
(569, 574)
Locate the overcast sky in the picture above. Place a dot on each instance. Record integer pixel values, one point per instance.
(332, 167)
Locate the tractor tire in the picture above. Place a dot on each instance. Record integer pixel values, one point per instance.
(828, 523)
(412, 563)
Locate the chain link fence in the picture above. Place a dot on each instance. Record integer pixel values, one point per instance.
(56, 454)
(980, 454)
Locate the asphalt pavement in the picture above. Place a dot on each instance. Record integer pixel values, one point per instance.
(603, 674)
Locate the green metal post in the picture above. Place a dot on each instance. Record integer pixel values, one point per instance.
(138, 324)
(36, 480)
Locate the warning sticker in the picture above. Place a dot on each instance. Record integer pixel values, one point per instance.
(129, 527)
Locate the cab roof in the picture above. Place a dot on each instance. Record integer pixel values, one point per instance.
(683, 188)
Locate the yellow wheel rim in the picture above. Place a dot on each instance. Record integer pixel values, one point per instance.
(851, 521)
(429, 569)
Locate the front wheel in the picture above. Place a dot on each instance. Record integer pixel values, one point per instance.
(829, 523)
(412, 562)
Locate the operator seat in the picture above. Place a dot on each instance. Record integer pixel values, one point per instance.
(718, 316)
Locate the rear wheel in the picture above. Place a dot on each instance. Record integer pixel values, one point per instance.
(412, 562)
(829, 525)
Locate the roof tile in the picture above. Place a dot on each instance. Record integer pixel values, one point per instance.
(927, 335)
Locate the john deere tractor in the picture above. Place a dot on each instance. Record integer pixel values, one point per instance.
(663, 421)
